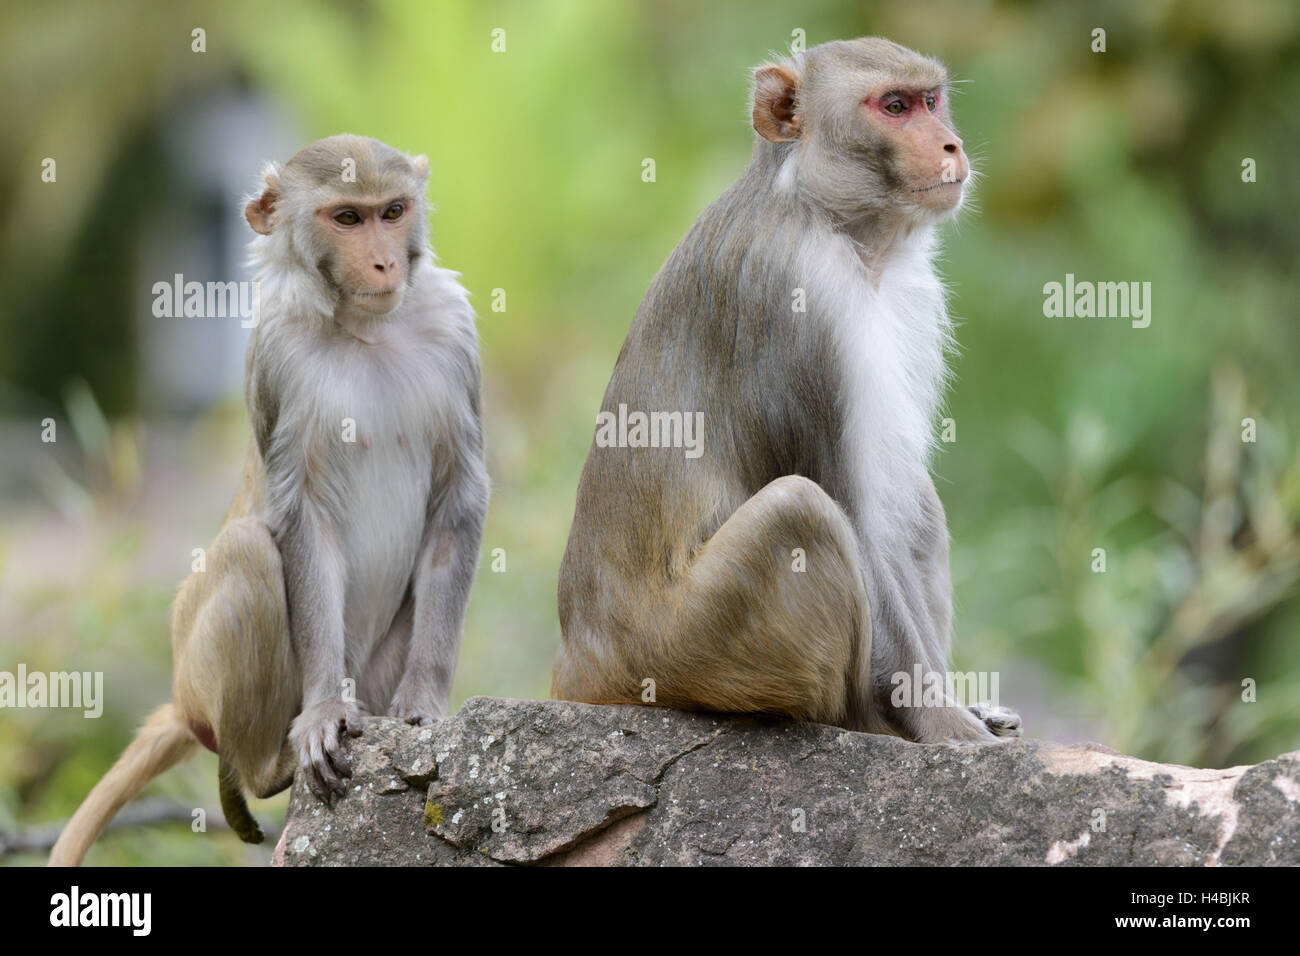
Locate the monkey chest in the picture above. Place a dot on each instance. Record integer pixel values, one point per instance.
(389, 479)
(375, 448)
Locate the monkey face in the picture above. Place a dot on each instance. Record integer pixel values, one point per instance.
(345, 215)
(868, 126)
(369, 256)
(909, 125)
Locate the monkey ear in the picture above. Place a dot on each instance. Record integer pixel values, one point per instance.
(421, 164)
(776, 91)
(259, 209)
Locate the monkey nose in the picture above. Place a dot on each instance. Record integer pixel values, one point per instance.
(385, 267)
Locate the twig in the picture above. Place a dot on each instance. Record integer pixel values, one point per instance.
(146, 813)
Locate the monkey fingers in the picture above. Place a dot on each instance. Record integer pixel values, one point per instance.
(325, 770)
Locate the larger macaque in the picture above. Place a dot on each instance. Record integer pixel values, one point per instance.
(338, 583)
(798, 560)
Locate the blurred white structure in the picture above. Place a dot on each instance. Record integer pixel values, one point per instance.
(217, 151)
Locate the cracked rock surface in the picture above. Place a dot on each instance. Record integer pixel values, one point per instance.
(556, 783)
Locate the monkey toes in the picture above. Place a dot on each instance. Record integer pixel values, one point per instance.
(1001, 721)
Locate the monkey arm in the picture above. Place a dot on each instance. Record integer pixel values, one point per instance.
(314, 588)
(313, 563)
(260, 397)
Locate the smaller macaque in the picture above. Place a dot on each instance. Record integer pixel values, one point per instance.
(338, 582)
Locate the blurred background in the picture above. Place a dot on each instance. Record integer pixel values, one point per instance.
(1072, 434)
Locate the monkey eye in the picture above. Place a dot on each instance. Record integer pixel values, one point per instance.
(394, 212)
(931, 101)
(347, 217)
(895, 108)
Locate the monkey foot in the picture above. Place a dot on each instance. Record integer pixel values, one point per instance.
(1000, 721)
(416, 709)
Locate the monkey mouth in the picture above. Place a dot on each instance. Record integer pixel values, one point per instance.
(372, 295)
(939, 185)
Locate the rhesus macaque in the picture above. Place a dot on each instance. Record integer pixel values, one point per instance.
(799, 558)
(352, 543)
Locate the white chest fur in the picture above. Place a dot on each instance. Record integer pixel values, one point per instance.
(892, 337)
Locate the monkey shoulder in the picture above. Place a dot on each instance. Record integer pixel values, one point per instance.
(441, 313)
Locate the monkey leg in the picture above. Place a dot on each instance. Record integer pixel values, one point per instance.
(770, 616)
(383, 671)
(237, 681)
(235, 689)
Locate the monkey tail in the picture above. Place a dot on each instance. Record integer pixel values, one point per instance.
(164, 741)
(235, 806)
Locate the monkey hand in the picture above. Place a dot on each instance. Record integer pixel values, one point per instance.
(316, 736)
(418, 706)
(1000, 721)
(975, 726)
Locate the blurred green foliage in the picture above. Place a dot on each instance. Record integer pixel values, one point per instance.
(1072, 434)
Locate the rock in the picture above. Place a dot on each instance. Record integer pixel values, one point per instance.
(558, 783)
